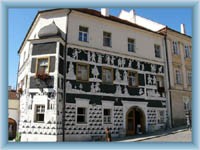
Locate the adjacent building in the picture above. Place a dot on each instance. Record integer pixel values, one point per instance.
(81, 71)
(179, 53)
(13, 113)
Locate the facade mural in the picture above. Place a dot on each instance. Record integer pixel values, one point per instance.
(73, 90)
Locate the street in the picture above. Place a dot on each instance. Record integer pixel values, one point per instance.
(185, 136)
(172, 135)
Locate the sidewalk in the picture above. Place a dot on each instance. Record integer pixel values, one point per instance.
(156, 134)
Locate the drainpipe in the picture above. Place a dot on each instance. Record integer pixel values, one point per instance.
(64, 64)
(170, 104)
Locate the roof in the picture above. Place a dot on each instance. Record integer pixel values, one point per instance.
(167, 28)
(112, 18)
(49, 31)
(12, 94)
(94, 13)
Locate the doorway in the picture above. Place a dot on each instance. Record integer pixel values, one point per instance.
(135, 121)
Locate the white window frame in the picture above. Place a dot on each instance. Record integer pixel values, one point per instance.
(83, 115)
(161, 118)
(178, 77)
(157, 51)
(131, 45)
(175, 48)
(104, 75)
(83, 35)
(107, 36)
(107, 119)
(135, 77)
(41, 111)
(77, 72)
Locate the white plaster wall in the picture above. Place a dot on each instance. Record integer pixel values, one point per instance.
(120, 33)
(14, 114)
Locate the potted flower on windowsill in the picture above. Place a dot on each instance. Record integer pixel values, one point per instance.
(42, 76)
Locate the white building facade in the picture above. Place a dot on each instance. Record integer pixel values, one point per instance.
(82, 71)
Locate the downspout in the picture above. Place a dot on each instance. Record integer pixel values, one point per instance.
(64, 64)
(166, 48)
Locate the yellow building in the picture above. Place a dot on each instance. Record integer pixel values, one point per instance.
(179, 54)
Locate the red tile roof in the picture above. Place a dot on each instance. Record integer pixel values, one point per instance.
(12, 95)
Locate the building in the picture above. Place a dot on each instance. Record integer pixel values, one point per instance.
(179, 63)
(13, 114)
(81, 71)
(179, 52)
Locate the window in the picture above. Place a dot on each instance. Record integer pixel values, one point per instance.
(189, 78)
(24, 56)
(40, 109)
(178, 77)
(82, 72)
(81, 115)
(26, 78)
(175, 48)
(161, 118)
(107, 116)
(157, 51)
(132, 78)
(42, 66)
(106, 39)
(83, 34)
(131, 45)
(187, 51)
(107, 75)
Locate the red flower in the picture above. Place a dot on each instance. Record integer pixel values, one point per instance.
(42, 76)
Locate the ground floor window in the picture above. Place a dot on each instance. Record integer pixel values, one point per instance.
(81, 115)
(107, 116)
(40, 110)
(161, 117)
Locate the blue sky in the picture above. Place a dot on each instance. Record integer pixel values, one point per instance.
(20, 19)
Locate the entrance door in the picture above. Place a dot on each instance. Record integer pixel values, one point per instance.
(131, 122)
(135, 117)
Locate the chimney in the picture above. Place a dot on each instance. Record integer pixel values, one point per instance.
(182, 28)
(105, 12)
(133, 15)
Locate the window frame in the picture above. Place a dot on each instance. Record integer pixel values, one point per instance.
(187, 51)
(87, 66)
(39, 113)
(83, 33)
(136, 73)
(175, 47)
(85, 115)
(37, 61)
(112, 74)
(108, 117)
(189, 81)
(110, 39)
(160, 118)
(132, 45)
(157, 50)
(177, 76)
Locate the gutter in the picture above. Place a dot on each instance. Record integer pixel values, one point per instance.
(64, 64)
(170, 103)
